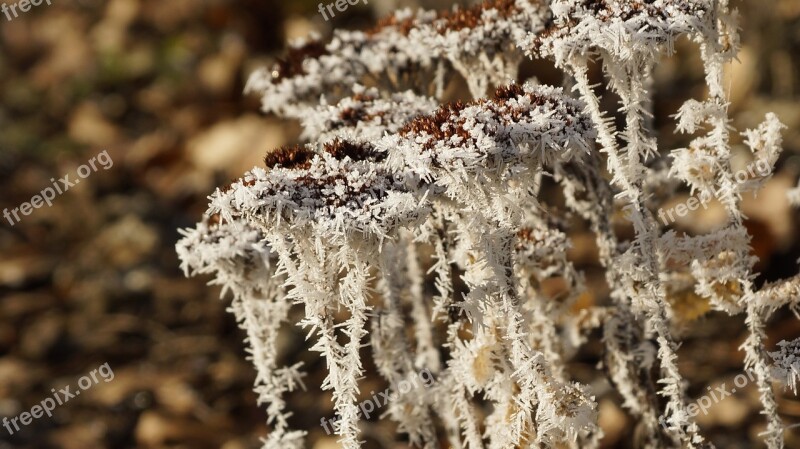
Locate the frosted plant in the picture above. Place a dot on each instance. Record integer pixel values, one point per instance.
(339, 225)
(242, 264)
(324, 214)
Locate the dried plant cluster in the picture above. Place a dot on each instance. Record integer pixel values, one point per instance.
(341, 224)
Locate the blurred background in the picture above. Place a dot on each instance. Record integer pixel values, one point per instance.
(158, 84)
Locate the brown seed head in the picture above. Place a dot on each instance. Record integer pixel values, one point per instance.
(434, 124)
(341, 149)
(292, 157)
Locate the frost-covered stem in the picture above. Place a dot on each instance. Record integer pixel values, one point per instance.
(627, 173)
(543, 333)
(629, 87)
(598, 205)
(439, 79)
(633, 382)
(629, 371)
(500, 255)
(601, 202)
(449, 417)
(608, 140)
(459, 392)
(261, 319)
(604, 125)
(459, 417)
(639, 146)
(720, 135)
(756, 359)
(628, 84)
(460, 411)
(539, 403)
(466, 416)
(319, 294)
(480, 71)
(628, 177)
(755, 351)
(443, 268)
(427, 354)
(392, 353)
(353, 294)
(644, 403)
(632, 386)
(782, 293)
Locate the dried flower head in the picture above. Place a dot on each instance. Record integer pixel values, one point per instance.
(407, 50)
(481, 42)
(333, 68)
(235, 255)
(624, 29)
(472, 152)
(530, 125)
(340, 192)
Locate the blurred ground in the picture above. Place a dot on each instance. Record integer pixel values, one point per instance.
(94, 279)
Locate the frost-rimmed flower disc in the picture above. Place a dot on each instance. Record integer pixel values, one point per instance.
(340, 192)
